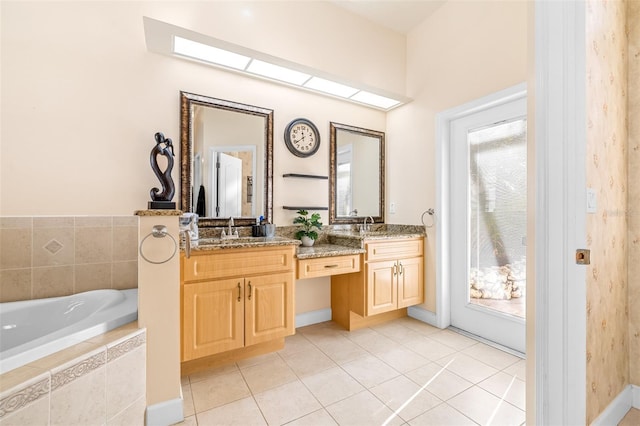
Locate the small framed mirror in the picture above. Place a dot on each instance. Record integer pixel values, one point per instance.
(226, 160)
(356, 177)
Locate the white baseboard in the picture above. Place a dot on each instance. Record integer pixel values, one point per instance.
(422, 315)
(165, 413)
(313, 317)
(618, 408)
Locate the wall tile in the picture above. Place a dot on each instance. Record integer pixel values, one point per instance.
(81, 402)
(124, 275)
(125, 380)
(15, 284)
(15, 248)
(125, 221)
(133, 415)
(93, 245)
(94, 276)
(125, 243)
(94, 221)
(54, 222)
(52, 281)
(53, 246)
(15, 222)
(21, 396)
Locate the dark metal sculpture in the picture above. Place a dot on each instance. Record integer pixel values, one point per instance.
(162, 199)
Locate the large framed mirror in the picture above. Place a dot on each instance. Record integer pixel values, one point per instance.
(356, 177)
(226, 160)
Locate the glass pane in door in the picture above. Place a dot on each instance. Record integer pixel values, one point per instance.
(498, 217)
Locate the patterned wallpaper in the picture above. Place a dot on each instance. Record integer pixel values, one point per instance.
(633, 25)
(607, 293)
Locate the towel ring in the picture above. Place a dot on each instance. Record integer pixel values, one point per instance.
(159, 231)
(431, 213)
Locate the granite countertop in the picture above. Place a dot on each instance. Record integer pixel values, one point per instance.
(209, 244)
(326, 250)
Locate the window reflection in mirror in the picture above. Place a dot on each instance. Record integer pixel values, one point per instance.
(357, 174)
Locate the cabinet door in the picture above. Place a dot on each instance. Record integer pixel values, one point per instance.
(269, 307)
(213, 315)
(410, 282)
(382, 288)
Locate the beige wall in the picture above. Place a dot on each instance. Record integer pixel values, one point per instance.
(606, 171)
(633, 26)
(464, 51)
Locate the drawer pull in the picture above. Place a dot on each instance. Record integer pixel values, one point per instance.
(249, 290)
(395, 270)
(400, 269)
(239, 292)
(331, 266)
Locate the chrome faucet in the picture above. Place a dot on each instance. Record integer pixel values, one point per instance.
(231, 233)
(365, 227)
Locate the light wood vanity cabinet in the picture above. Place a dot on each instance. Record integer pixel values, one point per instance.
(235, 298)
(391, 279)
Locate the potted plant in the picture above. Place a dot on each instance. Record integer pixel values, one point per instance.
(308, 233)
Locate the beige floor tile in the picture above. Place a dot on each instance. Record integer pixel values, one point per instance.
(188, 421)
(188, 409)
(207, 374)
(491, 356)
(485, 408)
(268, 375)
(250, 362)
(419, 326)
(502, 385)
(286, 403)
(466, 367)
(342, 350)
(317, 418)
(184, 380)
(402, 359)
(332, 385)
(220, 390)
(429, 348)
(362, 409)
(294, 344)
(370, 371)
(371, 340)
(243, 412)
(396, 331)
(632, 418)
(453, 339)
(519, 369)
(440, 382)
(308, 362)
(404, 397)
(442, 415)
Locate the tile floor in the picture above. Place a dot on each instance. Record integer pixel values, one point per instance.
(402, 372)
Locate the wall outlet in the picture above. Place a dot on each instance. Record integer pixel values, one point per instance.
(392, 208)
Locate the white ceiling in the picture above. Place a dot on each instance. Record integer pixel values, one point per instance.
(399, 15)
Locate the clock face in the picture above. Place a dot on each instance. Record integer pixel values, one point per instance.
(302, 137)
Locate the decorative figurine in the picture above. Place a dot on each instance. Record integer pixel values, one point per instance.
(162, 200)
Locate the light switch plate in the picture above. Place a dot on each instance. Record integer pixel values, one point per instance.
(392, 207)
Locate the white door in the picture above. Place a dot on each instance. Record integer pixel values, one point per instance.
(488, 196)
(229, 186)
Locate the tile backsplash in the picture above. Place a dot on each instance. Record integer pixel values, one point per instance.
(56, 256)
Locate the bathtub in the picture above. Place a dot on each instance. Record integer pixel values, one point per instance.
(32, 329)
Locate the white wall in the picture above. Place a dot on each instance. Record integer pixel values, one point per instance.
(464, 51)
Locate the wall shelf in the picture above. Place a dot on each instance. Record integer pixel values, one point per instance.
(298, 175)
(304, 208)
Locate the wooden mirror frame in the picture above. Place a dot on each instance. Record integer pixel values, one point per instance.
(187, 101)
(333, 217)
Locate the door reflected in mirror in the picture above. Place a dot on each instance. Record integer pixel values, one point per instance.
(357, 174)
(226, 158)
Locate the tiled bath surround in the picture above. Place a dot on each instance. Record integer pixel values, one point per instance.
(99, 381)
(44, 257)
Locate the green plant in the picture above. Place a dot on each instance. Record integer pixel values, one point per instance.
(309, 224)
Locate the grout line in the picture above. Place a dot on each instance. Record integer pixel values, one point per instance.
(504, 395)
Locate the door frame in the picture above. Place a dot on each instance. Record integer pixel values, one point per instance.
(443, 184)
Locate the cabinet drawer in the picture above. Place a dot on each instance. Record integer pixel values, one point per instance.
(394, 249)
(240, 262)
(325, 266)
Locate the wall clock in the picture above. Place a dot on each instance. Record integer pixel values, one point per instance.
(302, 137)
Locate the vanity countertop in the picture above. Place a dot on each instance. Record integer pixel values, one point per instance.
(209, 244)
(326, 250)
